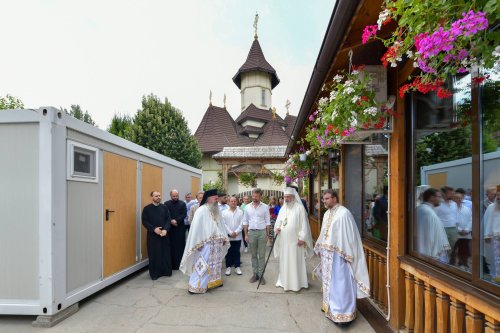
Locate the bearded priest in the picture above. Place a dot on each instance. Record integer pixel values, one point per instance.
(342, 270)
(206, 246)
(293, 242)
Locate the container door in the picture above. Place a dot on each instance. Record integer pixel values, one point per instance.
(151, 181)
(119, 225)
(195, 186)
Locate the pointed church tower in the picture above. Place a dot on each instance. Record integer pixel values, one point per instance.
(256, 78)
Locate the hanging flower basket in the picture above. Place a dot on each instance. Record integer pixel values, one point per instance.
(440, 38)
(296, 169)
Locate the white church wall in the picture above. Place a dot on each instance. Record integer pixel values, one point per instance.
(252, 85)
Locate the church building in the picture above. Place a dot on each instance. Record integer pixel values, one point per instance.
(250, 150)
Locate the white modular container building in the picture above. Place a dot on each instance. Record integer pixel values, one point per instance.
(71, 197)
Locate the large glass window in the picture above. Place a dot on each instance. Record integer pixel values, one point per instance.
(490, 178)
(442, 181)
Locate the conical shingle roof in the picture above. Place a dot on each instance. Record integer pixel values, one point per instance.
(256, 62)
(274, 135)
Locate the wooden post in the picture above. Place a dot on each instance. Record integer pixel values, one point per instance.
(473, 320)
(442, 304)
(430, 308)
(492, 325)
(370, 271)
(457, 314)
(375, 277)
(410, 303)
(225, 169)
(419, 306)
(381, 275)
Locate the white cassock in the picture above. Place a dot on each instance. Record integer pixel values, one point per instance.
(293, 223)
(430, 238)
(342, 271)
(492, 235)
(204, 251)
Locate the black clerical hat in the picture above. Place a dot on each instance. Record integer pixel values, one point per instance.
(208, 194)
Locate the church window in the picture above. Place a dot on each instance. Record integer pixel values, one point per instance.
(263, 97)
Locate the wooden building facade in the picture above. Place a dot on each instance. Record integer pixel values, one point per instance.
(411, 291)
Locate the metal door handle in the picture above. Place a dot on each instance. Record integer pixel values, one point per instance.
(107, 213)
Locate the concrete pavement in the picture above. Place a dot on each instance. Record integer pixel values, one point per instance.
(138, 304)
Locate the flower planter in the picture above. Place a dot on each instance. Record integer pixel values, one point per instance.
(303, 157)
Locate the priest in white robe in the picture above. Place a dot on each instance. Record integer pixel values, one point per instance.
(430, 236)
(293, 243)
(342, 271)
(492, 237)
(206, 246)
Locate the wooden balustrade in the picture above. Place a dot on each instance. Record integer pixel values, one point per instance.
(376, 261)
(434, 306)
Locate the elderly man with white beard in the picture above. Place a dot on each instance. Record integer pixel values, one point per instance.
(293, 242)
(206, 246)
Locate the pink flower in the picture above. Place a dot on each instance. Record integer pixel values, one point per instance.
(426, 68)
(440, 40)
(470, 24)
(370, 30)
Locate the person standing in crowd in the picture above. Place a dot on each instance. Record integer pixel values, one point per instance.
(466, 201)
(156, 219)
(246, 201)
(489, 197)
(233, 221)
(272, 205)
(430, 238)
(447, 213)
(193, 208)
(256, 222)
(293, 243)
(281, 200)
(380, 215)
(206, 247)
(178, 211)
(462, 247)
(223, 202)
(344, 274)
(492, 236)
(189, 203)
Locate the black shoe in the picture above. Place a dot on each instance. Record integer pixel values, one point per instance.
(346, 324)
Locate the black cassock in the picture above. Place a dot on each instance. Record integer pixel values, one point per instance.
(178, 212)
(160, 262)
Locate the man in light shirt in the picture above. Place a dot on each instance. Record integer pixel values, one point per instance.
(223, 202)
(233, 221)
(257, 221)
(447, 212)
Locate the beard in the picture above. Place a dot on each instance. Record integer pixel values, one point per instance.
(214, 209)
(291, 203)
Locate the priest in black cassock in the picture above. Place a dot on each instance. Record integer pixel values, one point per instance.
(178, 212)
(156, 219)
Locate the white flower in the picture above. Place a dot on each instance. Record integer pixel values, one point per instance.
(354, 122)
(393, 64)
(429, 150)
(372, 111)
(349, 90)
(308, 152)
(348, 83)
(382, 17)
(415, 64)
(333, 95)
(323, 101)
(355, 72)
(338, 78)
(355, 99)
(409, 54)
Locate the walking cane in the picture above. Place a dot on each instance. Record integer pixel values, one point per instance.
(270, 251)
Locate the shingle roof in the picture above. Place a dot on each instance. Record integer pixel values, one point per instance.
(274, 135)
(254, 113)
(217, 130)
(290, 122)
(256, 62)
(375, 150)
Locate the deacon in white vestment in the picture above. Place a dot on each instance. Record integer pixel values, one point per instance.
(293, 243)
(492, 237)
(342, 270)
(430, 237)
(206, 246)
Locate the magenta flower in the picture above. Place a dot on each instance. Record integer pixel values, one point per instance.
(368, 31)
(440, 40)
(470, 24)
(426, 68)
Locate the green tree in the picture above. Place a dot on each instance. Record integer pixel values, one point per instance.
(121, 126)
(10, 102)
(161, 127)
(76, 111)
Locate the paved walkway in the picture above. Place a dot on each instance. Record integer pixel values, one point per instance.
(137, 304)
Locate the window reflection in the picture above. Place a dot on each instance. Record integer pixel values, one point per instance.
(443, 179)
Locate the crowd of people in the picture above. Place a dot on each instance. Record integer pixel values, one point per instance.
(444, 227)
(216, 225)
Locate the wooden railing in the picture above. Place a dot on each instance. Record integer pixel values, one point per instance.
(376, 260)
(435, 306)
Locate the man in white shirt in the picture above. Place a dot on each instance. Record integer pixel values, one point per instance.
(223, 202)
(447, 212)
(464, 228)
(257, 222)
(233, 221)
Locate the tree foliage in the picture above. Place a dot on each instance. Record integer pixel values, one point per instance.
(10, 102)
(76, 111)
(121, 125)
(161, 127)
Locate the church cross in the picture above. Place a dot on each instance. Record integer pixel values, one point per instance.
(255, 21)
(287, 106)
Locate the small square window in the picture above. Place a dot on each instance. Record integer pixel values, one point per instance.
(82, 162)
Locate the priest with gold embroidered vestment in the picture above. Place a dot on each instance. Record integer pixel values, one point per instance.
(293, 243)
(342, 270)
(206, 246)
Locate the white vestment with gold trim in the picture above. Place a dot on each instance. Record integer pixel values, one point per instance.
(343, 269)
(204, 252)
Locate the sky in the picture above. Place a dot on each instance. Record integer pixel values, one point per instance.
(106, 54)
